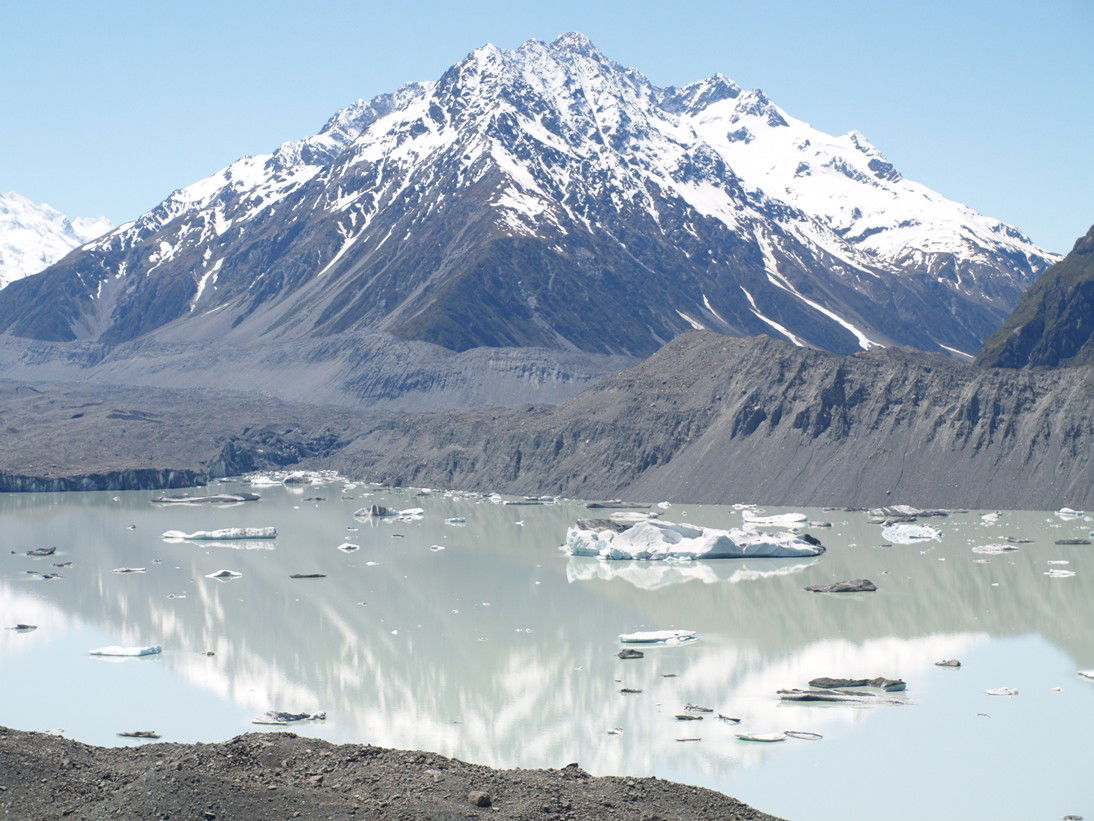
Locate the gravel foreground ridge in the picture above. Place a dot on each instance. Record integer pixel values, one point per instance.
(282, 775)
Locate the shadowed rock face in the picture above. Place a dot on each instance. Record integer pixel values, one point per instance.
(1053, 324)
(707, 419)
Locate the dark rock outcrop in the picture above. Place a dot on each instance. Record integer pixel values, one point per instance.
(1053, 323)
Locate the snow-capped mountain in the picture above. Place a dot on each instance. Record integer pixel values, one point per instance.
(33, 235)
(548, 196)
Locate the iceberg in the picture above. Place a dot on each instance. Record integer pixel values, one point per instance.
(777, 520)
(1066, 513)
(657, 540)
(284, 717)
(994, 549)
(224, 575)
(128, 652)
(223, 534)
(904, 533)
(216, 499)
(659, 637)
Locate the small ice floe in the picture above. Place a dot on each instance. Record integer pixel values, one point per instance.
(904, 533)
(126, 652)
(215, 499)
(348, 547)
(905, 512)
(689, 738)
(659, 637)
(630, 691)
(224, 575)
(836, 696)
(224, 534)
(1002, 691)
(436, 548)
(45, 577)
(1059, 573)
(889, 685)
(766, 738)
(657, 540)
(695, 708)
(283, 717)
(853, 586)
(1067, 513)
(752, 520)
(307, 575)
(633, 516)
(1072, 541)
(687, 717)
(803, 735)
(664, 505)
(727, 719)
(130, 570)
(1058, 561)
(411, 514)
(994, 549)
(22, 628)
(456, 521)
(39, 552)
(139, 734)
(948, 663)
(1087, 674)
(990, 518)
(615, 731)
(629, 653)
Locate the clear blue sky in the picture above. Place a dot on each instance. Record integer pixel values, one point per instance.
(108, 106)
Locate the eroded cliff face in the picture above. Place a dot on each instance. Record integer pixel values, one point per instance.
(706, 419)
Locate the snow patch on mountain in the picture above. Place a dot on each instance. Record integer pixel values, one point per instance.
(34, 235)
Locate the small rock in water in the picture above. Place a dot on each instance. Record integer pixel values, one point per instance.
(687, 717)
(1072, 541)
(888, 684)
(948, 663)
(853, 586)
(478, 798)
(615, 731)
(41, 551)
(628, 653)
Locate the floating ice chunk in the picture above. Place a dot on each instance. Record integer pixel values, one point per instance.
(1067, 513)
(223, 534)
(994, 548)
(1087, 674)
(659, 637)
(1057, 573)
(990, 518)
(802, 734)
(633, 516)
(411, 513)
(777, 520)
(766, 738)
(130, 569)
(904, 533)
(127, 652)
(283, 717)
(664, 505)
(455, 520)
(436, 548)
(216, 499)
(348, 547)
(224, 575)
(659, 540)
(907, 511)
(1002, 691)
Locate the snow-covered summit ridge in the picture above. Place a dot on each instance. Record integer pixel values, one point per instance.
(35, 235)
(526, 192)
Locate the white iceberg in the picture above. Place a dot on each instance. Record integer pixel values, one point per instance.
(659, 540)
(633, 516)
(456, 520)
(994, 549)
(128, 652)
(348, 547)
(776, 520)
(223, 534)
(659, 637)
(904, 533)
(1002, 691)
(224, 575)
(1067, 513)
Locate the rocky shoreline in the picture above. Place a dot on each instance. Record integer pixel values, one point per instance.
(282, 775)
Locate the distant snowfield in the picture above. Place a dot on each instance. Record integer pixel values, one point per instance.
(34, 235)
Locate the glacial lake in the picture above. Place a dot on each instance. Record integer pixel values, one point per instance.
(499, 649)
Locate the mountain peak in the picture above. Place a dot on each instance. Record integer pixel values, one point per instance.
(574, 41)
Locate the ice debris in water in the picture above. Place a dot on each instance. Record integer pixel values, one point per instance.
(1087, 674)
(994, 549)
(659, 540)
(904, 533)
(633, 516)
(990, 518)
(1057, 573)
(283, 717)
(348, 547)
(215, 499)
(224, 575)
(1002, 691)
(223, 534)
(115, 650)
(1068, 513)
(455, 520)
(778, 520)
(130, 569)
(659, 637)
(762, 737)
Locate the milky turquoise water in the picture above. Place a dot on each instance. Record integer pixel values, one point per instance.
(501, 650)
